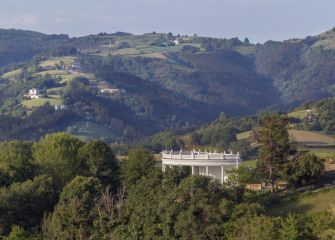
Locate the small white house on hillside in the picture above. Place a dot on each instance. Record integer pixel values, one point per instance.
(33, 94)
(61, 107)
(176, 42)
(112, 90)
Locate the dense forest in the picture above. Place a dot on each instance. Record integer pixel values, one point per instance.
(62, 188)
(219, 134)
(20, 46)
(322, 118)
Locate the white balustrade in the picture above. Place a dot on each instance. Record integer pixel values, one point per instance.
(211, 164)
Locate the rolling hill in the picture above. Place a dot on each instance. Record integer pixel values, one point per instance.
(163, 81)
(21, 45)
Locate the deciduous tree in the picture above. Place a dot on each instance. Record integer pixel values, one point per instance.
(56, 155)
(101, 163)
(138, 164)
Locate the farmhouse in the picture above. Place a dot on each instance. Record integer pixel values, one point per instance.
(112, 90)
(176, 42)
(33, 94)
(210, 164)
(61, 107)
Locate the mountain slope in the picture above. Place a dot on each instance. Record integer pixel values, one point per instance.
(18, 45)
(136, 85)
(301, 70)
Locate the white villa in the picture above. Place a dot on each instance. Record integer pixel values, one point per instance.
(33, 94)
(210, 164)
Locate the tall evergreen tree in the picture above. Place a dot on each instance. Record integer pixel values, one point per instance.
(275, 147)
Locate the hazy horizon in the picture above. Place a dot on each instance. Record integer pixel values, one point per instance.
(259, 20)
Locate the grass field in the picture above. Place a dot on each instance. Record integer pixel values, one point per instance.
(325, 153)
(88, 130)
(40, 101)
(326, 40)
(245, 50)
(243, 135)
(54, 96)
(305, 137)
(55, 90)
(13, 75)
(126, 51)
(249, 163)
(68, 60)
(312, 201)
(311, 138)
(139, 47)
(65, 78)
(53, 72)
(155, 49)
(301, 114)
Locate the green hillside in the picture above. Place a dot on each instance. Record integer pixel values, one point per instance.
(326, 39)
(307, 202)
(19, 46)
(164, 81)
(41, 101)
(311, 138)
(159, 91)
(301, 136)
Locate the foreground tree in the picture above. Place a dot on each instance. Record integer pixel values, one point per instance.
(24, 203)
(275, 147)
(100, 162)
(141, 213)
(73, 216)
(110, 209)
(196, 209)
(257, 227)
(289, 228)
(138, 165)
(305, 169)
(175, 175)
(18, 233)
(56, 155)
(16, 161)
(243, 175)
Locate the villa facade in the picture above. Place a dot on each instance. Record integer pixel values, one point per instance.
(211, 164)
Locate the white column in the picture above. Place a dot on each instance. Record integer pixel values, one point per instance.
(222, 174)
(206, 170)
(193, 171)
(163, 167)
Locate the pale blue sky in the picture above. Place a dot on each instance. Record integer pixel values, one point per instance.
(259, 20)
